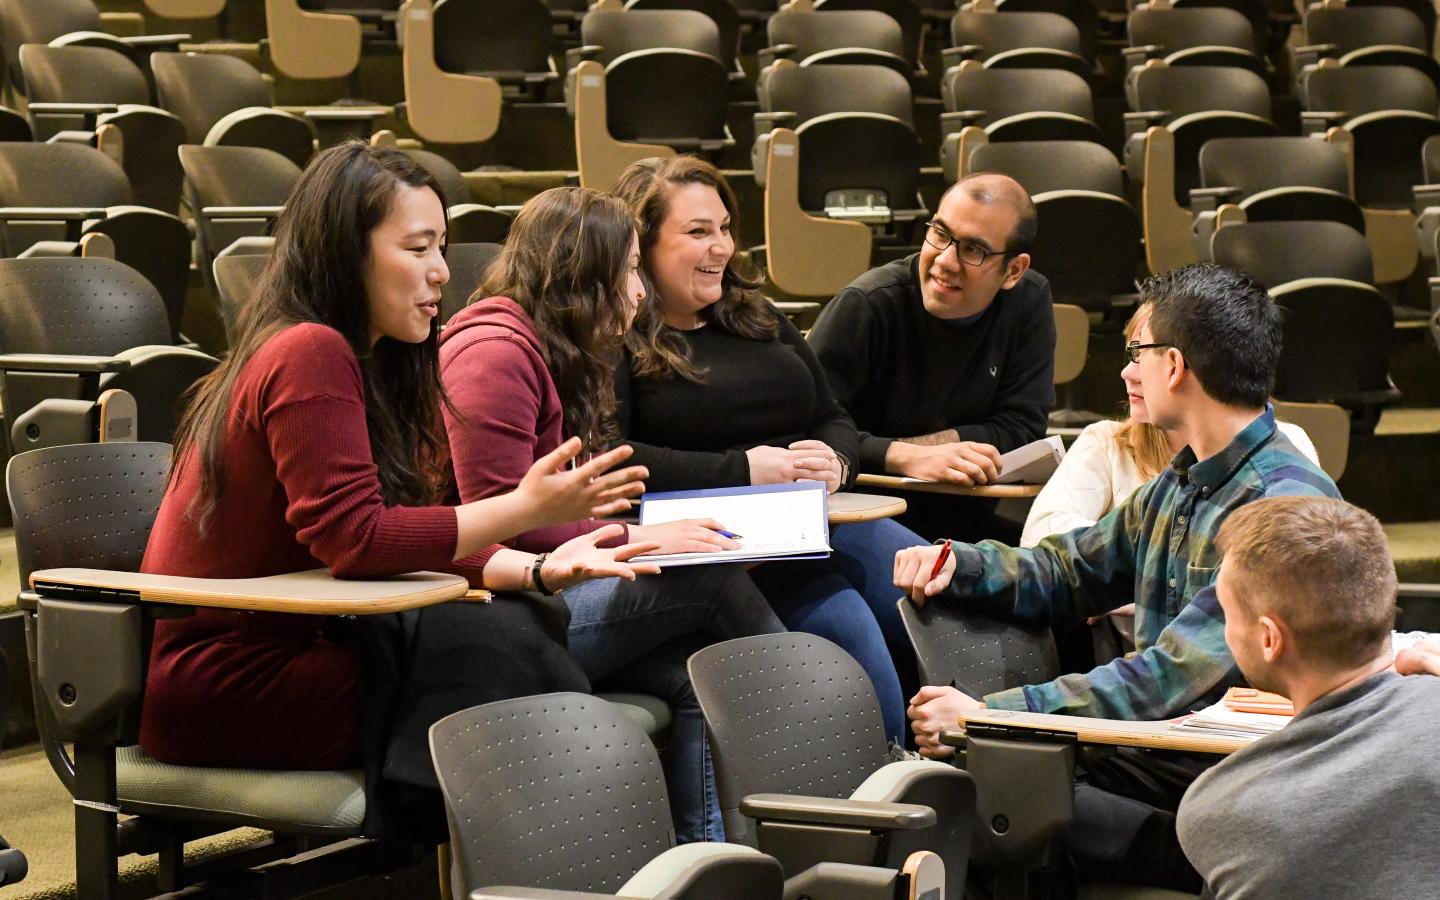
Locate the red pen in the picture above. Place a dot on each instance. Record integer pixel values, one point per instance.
(940, 561)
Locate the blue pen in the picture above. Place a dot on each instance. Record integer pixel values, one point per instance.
(733, 537)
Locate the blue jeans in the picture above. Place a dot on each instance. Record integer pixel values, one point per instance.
(637, 635)
(849, 599)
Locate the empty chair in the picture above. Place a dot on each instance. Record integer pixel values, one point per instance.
(223, 100)
(1195, 36)
(859, 151)
(237, 271)
(1423, 9)
(793, 714)
(1014, 105)
(89, 190)
(1279, 179)
(1026, 40)
(856, 36)
(1084, 14)
(722, 12)
(120, 96)
(467, 263)
(1088, 241)
(1279, 252)
(608, 34)
(95, 308)
(1367, 36)
(234, 192)
(1336, 347)
(508, 40)
(1389, 112)
(906, 14)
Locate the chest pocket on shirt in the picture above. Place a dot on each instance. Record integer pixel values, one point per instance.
(1197, 578)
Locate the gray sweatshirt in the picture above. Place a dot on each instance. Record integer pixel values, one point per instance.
(1343, 802)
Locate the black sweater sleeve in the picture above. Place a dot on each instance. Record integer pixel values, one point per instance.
(671, 469)
(1025, 397)
(830, 423)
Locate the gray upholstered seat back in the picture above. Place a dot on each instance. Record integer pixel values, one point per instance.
(559, 790)
(60, 175)
(620, 32)
(238, 176)
(1052, 165)
(1259, 164)
(997, 32)
(1277, 252)
(81, 75)
(1008, 92)
(977, 654)
(202, 88)
(87, 505)
(1177, 29)
(816, 32)
(74, 306)
(787, 714)
(811, 91)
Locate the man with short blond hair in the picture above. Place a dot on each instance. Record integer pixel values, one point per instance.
(1342, 801)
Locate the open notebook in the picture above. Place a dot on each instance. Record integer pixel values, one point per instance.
(773, 521)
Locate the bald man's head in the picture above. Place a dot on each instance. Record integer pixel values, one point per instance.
(990, 188)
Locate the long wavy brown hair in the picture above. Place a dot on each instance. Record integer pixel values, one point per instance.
(566, 263)
(742, 310)
(322, 242)
(1144, 442)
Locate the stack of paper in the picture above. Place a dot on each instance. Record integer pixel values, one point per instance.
(1221, 719)
(771, 521)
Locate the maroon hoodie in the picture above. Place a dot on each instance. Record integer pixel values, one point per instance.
(507, 413)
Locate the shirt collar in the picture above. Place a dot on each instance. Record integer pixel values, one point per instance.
(1209, 474)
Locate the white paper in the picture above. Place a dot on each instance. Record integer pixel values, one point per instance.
(1023, 464)
(783, 523)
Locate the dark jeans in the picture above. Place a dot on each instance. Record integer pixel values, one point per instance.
(635, 635)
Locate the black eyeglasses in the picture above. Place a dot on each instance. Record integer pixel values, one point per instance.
(1132, 349)
(970, 254)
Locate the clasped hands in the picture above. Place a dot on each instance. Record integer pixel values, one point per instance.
(801, 461)
(963, 462)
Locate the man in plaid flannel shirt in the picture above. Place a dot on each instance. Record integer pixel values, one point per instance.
(1205, 362)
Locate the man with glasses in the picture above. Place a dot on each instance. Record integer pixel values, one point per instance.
(945, 359)
(1205, 365)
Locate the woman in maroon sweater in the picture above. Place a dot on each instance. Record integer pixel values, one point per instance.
(318, 442)
(530, 361)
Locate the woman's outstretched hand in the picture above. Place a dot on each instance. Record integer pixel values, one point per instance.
(581, 559)
(555, 493)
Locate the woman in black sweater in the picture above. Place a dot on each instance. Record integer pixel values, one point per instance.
(717, 389)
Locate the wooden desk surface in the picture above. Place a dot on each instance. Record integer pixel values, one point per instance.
(993, 491)
(314, 592)
(1152, 735)
(846, 507)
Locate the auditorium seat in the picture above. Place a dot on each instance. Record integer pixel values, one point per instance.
(233, 192)
(70, 22)
(68, 190)
(1366, 36)
(95, 86)
(1017, 40)
(225, 101)
(467, 263)
(1084, 14)
(722, 12)
(1088, 243)
(470, 223)
(507, 40)
(1013, 105)
(1194, 36)
(236, 271)
(801, 33)
(906, 14)
(794, 719)
(858, 149)
(1279, 252)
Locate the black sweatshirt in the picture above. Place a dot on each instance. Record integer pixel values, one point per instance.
(902, 372)
(753, 393)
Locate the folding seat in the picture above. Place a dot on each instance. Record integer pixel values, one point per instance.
(234, 192)
(1278, 179)
(507, 40)
(859, 152)
(1176, 110)
(1085, 15)
(611, 835)
(467, 263)
(69, 190)
(799, 752)
(1193, 36)
(225, 101)
(1016, 40)
(1270, 20)
(1088, 243)
(470, 223)
(71, 22)
(906, 14)
(1423, 10)
(1366, 36)
(722, 12)
(91, 507)
(647, 83)
(237, 271)
(1389, 112)
(71, 328)
(1013, 105)
(1279, 252)
(83, 88)
(849, 36)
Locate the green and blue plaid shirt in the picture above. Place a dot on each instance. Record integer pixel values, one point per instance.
(1156, 550)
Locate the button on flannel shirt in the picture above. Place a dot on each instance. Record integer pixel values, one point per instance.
(1156, 550)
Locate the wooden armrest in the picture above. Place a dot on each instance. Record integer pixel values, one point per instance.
(830, 811)
(846, 506)
(45, 362)
(315, 592)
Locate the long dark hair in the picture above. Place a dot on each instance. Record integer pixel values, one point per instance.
(566, 262)
(316, 274)
(659, 352)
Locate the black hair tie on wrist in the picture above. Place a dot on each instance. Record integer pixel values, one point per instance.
(535, 575)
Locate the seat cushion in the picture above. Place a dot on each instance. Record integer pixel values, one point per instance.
(304, 799)
(650, 713)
